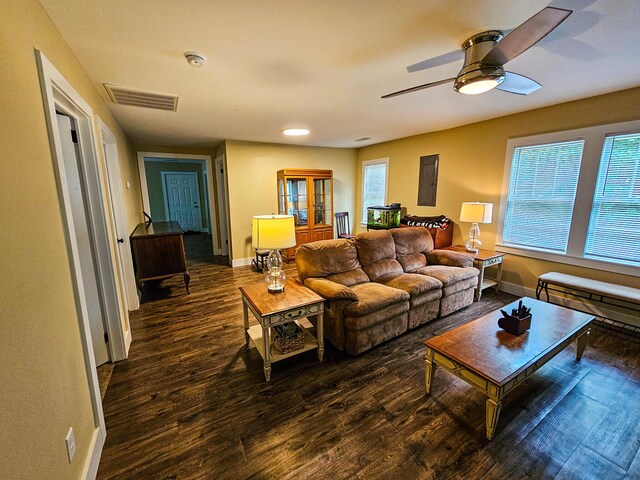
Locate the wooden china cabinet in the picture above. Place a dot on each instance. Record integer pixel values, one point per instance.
(308, 196)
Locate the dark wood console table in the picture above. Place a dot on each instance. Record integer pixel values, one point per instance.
(158, 252)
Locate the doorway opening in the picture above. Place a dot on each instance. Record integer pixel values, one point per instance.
(182, 188)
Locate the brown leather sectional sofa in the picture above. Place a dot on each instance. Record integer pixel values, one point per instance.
(381, 283)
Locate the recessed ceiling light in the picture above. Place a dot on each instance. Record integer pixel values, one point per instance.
(296, 131)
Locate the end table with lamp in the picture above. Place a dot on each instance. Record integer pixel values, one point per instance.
(279, 304)
(476, 213)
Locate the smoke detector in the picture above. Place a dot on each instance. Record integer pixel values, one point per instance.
(195, 59)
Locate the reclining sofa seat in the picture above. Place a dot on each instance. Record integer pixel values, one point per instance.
(360, 314)
(377, 255)
(414, 251)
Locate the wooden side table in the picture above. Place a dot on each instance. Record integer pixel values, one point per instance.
(271, 309)
(482, 260)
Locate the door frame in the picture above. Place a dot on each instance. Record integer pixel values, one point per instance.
(57, 93)
(223, 206)
(165, 197)
(201, 159)
(124, 260)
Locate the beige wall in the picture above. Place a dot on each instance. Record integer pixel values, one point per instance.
(472, 160)
(251, 170)
(43, 383)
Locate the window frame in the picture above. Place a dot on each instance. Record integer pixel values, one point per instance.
(365, 164)
(594, 138)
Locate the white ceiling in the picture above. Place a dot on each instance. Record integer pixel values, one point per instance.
(323, 64)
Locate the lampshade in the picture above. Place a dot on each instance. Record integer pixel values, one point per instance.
(272, 232)
(476, 212)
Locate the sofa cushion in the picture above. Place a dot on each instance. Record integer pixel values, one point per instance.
(326, 257)
(330, 290)
(413, 261)
(377, 254)
(469, 283)
(381, 316)
(450, 258)
(350, 278)
(412, 283)
(449, 275)
(412, 240)
(373, 296)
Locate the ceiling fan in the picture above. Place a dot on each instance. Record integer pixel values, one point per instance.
(486, 53)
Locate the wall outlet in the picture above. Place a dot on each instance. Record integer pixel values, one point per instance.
(71, 444)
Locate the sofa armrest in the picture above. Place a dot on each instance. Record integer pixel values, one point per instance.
(330, 290)
(449, 258)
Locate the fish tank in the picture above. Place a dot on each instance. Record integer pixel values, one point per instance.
(383, 217)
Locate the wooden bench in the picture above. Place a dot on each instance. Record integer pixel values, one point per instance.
(604, 293)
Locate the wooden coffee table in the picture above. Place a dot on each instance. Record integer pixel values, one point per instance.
(494, 361)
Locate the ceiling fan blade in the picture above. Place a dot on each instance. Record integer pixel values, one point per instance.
(437, 61)
(419, 87)
(518, 84)
(526, 35)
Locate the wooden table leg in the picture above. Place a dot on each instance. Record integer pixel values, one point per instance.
(582, 343)
(320, 333)
(480, 279)
(266, 338)
(493, 413)
(430, 369)
(245, 311)
(499, 276)
(187, 280)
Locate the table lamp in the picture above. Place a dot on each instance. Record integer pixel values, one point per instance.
(475, 212)
(273, 232)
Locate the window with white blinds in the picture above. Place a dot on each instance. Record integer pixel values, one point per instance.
(614, 225)
(541, 195)
(574, 197)
(374, 184)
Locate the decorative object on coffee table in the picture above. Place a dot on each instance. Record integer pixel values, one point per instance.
(475, 212)
(518, 322)
(272, 310)
(273, 232)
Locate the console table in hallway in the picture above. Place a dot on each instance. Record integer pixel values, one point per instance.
(158, 252)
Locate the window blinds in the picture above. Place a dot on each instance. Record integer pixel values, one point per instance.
(614, 227)
(542, 190)
(374, 187)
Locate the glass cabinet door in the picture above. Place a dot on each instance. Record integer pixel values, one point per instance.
(322, 204)
(282, 204)
(296, 201)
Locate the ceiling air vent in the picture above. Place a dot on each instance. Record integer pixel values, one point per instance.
(139, 98)
(362, 139)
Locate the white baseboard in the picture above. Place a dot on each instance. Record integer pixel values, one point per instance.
(90, 470)
(574, 304)
(241, 262)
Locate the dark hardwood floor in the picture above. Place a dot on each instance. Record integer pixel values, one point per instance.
(192, 403)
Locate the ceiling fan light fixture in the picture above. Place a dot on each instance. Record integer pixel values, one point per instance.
(479, 81)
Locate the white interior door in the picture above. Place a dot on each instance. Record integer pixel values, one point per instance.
(183, 199)
(83, 238)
